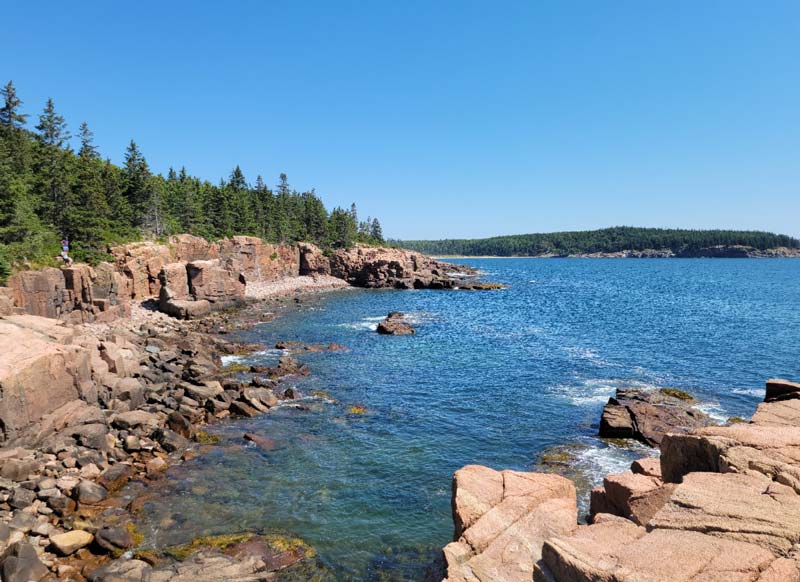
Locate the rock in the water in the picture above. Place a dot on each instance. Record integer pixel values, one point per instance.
(395, 324)
(262, 442)
(502, 519)
(647, 415)
(70, 542)
(114, 539)
(115, 477)
(169, 440)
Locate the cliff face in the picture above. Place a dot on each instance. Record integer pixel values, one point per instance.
(191, 276)
(723, 503)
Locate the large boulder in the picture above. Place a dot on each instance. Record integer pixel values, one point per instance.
(647, 415)
(39, 372)
(502, 519)
(175, 278)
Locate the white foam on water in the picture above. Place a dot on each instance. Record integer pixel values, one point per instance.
(235, 359)
(749, 391)
(596, 391)
(713, 410)
(227, 360)
(361, 325)
(589, 354)
(598, 462)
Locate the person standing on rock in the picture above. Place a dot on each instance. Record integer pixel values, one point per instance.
(65, 253)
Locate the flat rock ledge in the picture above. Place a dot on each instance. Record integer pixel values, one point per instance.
(721, 503)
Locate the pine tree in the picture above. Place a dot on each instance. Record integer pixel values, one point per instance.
(137, 180)
(376, 232)
(88, 221)
(10, 116)
(54, 179)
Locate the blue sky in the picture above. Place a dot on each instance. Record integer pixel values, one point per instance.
(445, 119)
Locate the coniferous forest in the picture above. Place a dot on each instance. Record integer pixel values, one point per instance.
(56, 185)
(607, 240)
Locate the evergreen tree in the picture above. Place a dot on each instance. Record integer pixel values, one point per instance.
(10, 115)
(137, 175)
(53, 181)
(88, 221)
(342, 228)
(376, 232)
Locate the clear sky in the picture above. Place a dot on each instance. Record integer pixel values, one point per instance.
(444, 118)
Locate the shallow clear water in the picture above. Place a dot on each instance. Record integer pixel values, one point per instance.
(492, 378)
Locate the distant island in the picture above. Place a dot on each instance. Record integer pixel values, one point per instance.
(619, 241)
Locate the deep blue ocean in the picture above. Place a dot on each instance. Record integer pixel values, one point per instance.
(494, 378)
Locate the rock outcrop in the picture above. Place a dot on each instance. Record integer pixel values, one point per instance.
(395, 324)
(40, 370)
(647, 415)
(502, 518)
(375, 267)
(721, 503)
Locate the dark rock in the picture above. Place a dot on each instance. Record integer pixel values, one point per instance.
(394, 324)
(22, 521)
(651, 415)
(20, 563)
(92, 436)
(62, 506)
(179, 424)
(616, 422)
(21, 498)
(243, 409)
(781, 390)
(115, 477)
(113, 539)
(169, 440)
(90, 493)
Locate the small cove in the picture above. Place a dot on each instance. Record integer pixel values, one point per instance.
(492, 378)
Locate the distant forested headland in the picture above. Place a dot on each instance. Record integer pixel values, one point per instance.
(680, 242)
(50, 191)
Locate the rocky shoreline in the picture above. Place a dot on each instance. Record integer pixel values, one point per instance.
(101, 396)
(101, 391)
(719, 503)
(716, 252)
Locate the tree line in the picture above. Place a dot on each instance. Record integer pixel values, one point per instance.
(49, 192)
(608, 240)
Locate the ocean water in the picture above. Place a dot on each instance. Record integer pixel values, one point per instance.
(493, 378)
